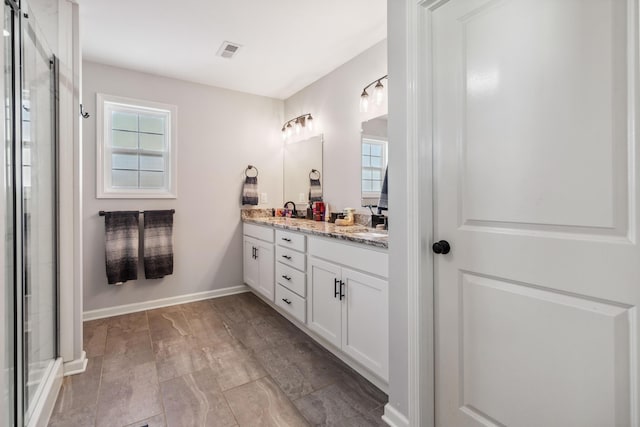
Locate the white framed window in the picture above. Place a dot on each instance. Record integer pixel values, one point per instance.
(136, 149)
(374, 164)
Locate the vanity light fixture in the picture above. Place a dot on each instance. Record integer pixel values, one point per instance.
(378, 93)
(300, 123)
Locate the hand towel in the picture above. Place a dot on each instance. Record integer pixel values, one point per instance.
(250, 191)
(315, 190)
(383, 203)
(121, 246)
(158, 244)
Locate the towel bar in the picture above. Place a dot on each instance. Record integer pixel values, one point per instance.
(101, 213)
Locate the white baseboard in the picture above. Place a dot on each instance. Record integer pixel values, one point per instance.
(393, 417)
(77, 366)
(163, 302)
(45, 401)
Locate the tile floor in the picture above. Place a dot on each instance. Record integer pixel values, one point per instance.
(231, 361)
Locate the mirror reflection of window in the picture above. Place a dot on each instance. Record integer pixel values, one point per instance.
(374, 146)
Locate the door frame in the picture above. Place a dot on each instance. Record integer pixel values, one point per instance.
(419, 212)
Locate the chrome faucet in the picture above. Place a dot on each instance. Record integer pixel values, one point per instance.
(294, 212)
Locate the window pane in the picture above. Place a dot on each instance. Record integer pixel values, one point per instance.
(124, 161)
(366, 185)
(120, 139)
(152, 124)
(124, 179)
(366, 149)
(365, 161)
(151, 142)
(376, 150)
(376, 174)
(154, 163)
(366, 174)
(375, 186)
(376, 162)
(124, 121)
(151, 179)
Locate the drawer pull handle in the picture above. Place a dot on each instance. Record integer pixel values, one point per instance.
(286, 239)
(286, 257)
(335, 288)
(286, 300)
(286, 277)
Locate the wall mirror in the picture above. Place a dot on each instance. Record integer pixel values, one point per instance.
(374, 157)
(299, 159)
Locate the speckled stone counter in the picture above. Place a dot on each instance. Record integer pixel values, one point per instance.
(354, 233)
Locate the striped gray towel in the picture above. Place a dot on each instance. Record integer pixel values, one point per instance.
(121, 246)
(250, 191)
(315, 190)
(158, 244)
(383, 203)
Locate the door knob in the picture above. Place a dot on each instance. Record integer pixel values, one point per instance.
(441, 247)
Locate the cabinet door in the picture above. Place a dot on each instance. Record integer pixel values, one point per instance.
(324, 310)
(250, 264)
(365, 321)
(266, 283)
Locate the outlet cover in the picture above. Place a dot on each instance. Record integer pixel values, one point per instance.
(301, 197)
(263, 198)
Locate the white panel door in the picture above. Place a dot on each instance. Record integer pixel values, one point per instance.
(535, 188)
(266, 261)
(365, 321)
(250, 265)
(324, 308)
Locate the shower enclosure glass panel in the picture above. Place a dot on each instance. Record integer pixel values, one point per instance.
(8, 310)
(39, 230)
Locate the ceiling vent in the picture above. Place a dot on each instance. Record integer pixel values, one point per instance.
(228, 49)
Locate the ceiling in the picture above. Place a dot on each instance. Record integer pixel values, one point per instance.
(286, 44)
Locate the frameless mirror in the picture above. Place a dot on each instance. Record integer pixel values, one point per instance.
(300, 158)
(373, 165)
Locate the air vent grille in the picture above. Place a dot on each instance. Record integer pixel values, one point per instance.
(228, 49)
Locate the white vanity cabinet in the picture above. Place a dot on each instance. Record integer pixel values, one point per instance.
(258, 259)
(347, 302)
(291, 278)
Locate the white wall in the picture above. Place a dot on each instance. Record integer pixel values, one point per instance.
(219, 133)
(334, 102)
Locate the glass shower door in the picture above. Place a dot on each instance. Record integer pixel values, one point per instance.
(8, 309)
(39, 229)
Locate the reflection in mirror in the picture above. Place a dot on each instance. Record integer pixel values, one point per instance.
(374, 143)
(299, 159)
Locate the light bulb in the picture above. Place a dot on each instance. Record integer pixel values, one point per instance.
(298, 127)
(284, 134)
(364, 102)
(289, 130)
(309, 123)
(378, 93)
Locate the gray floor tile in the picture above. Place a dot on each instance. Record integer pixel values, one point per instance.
(126, 399)
(262, 403)
(196, 400)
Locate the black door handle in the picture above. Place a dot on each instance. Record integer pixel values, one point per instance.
(286, 239)
(441, 247)
(256, 253)
(253, 252)
(341, 290)
(335, 288)
(286, 257)
(286, 300)
(285, 277)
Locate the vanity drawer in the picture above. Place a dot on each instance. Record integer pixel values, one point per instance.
(291, 278)
(259, 232)
(291, 303)
(291, 240)
(290, 257)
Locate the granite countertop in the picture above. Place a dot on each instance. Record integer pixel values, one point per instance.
(353, 233)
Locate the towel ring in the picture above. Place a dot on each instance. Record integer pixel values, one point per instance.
(312, 172)
(248, 169)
